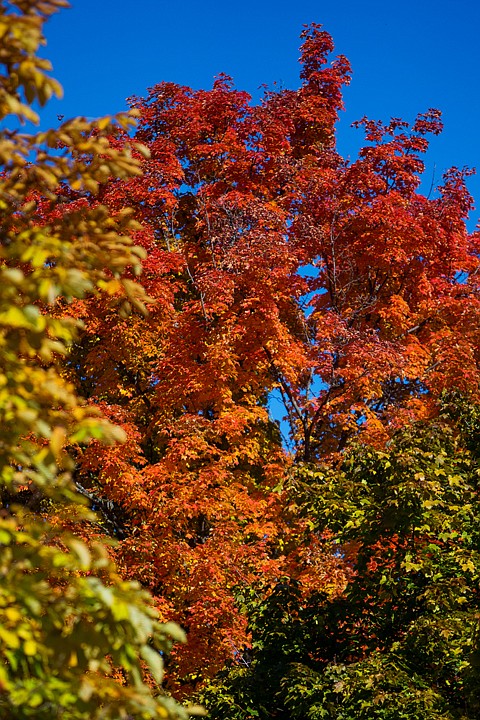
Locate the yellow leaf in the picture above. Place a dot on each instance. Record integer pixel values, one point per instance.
(57, 441)
(30, 647)
(10, 639)
(81, 551)
(104, 123)
(13, 614)
(73, 660)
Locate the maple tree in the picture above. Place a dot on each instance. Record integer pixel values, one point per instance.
(272, 266)
(196, 494)
(76, 640)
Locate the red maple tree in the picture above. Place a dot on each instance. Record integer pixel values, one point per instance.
(272, 265)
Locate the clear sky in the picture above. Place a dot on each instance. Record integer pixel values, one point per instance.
(407, 56)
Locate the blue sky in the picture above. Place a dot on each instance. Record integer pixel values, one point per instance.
(406, 56)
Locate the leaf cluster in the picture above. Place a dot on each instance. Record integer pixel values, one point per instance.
(77, 641)
(401, 639)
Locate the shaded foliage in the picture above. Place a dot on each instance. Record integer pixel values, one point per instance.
(401, 640)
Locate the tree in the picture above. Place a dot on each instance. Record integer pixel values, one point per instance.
(273, 266)
(190, 383)
(401, 640)
(77, 641)
(343, 286)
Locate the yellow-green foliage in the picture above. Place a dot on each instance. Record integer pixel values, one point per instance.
(69, 626)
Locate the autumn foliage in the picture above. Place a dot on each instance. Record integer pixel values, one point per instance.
(275, 270)
(77, 640)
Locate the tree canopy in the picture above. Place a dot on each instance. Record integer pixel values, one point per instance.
(401, 640)
(324, 565)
